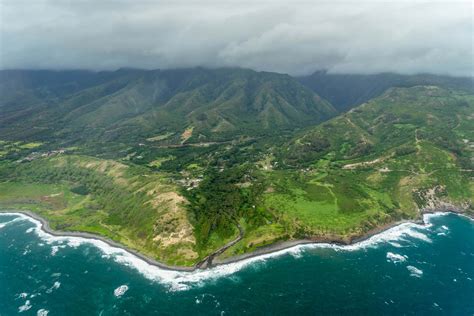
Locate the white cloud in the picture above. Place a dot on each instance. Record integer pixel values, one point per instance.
(297, 38)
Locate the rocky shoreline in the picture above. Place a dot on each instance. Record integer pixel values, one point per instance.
(279, 246)
(378, 230)
(46, 228)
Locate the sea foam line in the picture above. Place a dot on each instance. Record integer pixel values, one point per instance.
(181, 280)
(16, 219)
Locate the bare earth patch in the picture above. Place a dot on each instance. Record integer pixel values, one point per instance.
(172, 227)
(110, 168)
(186, 134)
(362, 164)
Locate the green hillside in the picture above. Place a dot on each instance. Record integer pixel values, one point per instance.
(407, 150)
(410, 149)
(130, 106)
(345, 91)
(186, 164)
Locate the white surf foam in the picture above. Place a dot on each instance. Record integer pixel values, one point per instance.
(391, 236)
(120, 290)
(16, 219)
(413, 233)
(395, 257)
(55, 286)
(415, 272)
(443, 230)
(429, 216)
(25, 307)
(42, 312)
(54, 250)
(295, 252)
(395, 244)
(178, 280)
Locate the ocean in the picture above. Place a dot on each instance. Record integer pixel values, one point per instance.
(410, 269)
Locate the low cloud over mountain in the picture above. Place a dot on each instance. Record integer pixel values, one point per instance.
(295, 37)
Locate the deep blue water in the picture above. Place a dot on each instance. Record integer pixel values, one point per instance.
(408, 270)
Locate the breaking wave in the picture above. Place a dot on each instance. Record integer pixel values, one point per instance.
(395, 257)
(415, 272)
(25, 307)
(16, 219)
(42, 312)
(179, 280)
(120, 290)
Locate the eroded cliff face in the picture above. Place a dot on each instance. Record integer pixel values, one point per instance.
(435, 199)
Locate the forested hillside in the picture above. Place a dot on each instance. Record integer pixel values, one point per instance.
(345, 91)
(130, 106)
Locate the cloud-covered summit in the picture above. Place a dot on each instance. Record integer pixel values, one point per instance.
(296, 37)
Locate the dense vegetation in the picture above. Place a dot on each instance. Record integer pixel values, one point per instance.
(178, 164)
(368, 164)
(345, 91)
(159, 107)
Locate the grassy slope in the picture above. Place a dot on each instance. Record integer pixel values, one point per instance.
(370, 166)
(124, 203)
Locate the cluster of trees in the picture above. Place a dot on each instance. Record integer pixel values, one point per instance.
(222, 199)
(404, 150)
(310, 148)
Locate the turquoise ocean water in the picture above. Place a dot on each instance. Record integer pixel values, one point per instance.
(410, 269)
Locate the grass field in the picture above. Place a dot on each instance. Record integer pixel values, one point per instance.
(142, 211)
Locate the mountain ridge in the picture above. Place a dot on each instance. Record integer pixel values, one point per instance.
(345, 91)
(213, 102)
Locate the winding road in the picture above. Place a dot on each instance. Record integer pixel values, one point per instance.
(207, 262)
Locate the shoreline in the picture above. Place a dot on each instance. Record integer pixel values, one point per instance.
(264, 250)
(47, 229)
(337, 242)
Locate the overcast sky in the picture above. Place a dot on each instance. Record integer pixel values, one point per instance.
(296, 37)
